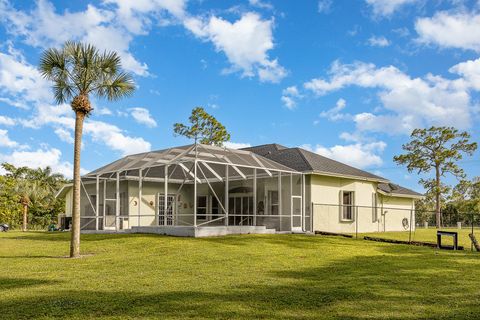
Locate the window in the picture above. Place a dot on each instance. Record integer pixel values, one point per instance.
(273, 202)
(347, 205)
(202, 207)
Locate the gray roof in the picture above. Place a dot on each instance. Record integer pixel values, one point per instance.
(306, 161)
(392, 188)
(155, 161)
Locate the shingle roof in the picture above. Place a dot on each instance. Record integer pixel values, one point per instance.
(303, 160)
(154, 161)
(391, 188)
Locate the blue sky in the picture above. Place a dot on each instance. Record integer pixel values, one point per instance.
(346, 79)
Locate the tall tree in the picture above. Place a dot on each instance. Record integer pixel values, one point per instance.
(78, 71)
(203, 128)
(436, 149)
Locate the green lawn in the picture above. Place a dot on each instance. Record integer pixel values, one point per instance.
(428, 235)
(252, 276)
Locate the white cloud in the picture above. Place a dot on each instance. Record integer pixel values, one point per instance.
(103, 111)
(5, 141)
(143, 116)
(245, 42)
(290, 96)
(335, 113)
(64, 135)
(450, 30)
(113, 25)
(387, 7)
(236, 145)
(261, 4)
(40, 158)
(409, 102)
(7, 121)
(392, 124)
(380, 41)
(44, 27)
(470, 71)
(357, 155)
(113, 137)
(137, 15)
(324, 6)
(20, 82)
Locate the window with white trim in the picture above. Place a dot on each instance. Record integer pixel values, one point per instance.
(347, 205)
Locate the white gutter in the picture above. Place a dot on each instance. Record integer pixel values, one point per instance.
(400, 195)
(346, 176)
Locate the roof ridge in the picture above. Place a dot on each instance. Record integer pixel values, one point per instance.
(303, 156)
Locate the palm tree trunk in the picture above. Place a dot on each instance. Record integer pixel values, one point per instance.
(25, 217)
(75, 241)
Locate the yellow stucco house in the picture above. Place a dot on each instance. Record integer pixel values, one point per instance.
(201, 190)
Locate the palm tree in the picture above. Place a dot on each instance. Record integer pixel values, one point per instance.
(28, 191)
(77, 71)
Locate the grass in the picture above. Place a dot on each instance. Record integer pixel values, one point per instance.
(234, 277)
(429, 235)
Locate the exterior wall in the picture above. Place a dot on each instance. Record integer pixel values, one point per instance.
(325, 194)
(149, 205)
(394, 210)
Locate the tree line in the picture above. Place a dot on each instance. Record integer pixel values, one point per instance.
(27, 197)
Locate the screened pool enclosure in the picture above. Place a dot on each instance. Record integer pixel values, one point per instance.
(194, 186)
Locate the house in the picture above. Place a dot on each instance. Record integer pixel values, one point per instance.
(343, 198)
(201, 190)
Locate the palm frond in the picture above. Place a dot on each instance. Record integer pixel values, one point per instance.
(80, 69)
(118, 86)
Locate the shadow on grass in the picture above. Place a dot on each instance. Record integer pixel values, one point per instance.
(14, 283)
(65, 236)
(393, 284)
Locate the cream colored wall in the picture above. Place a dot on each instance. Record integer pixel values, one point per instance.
(394, 210)
(325, 194)
(149, 204)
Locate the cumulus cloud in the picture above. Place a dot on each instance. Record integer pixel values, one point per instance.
(7, 121)
(20, 82)
(359, 155)
(113, 25)
(470, 71)
(40, 158)
(64, 135)
(380, 41)
(245, 42)
(335, 113)
(115, 138)
(143, 116)
(5, 141)
(450, 30)
(409, 102)
(107, 28)
(236, 145)
(290, 96)
(386, 8)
